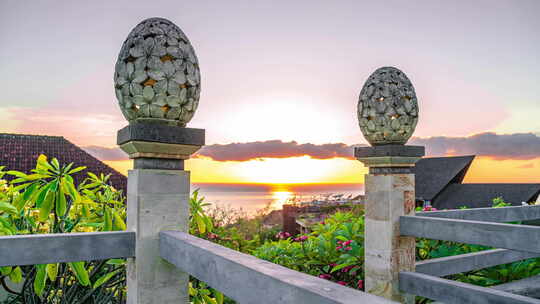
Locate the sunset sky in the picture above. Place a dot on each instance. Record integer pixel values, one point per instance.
(281, 79)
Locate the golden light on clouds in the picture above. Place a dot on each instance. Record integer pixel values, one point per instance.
(305, 170)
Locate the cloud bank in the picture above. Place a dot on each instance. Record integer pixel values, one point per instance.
(274, 149)
(521, 146)
(499, 146)
(103, 153)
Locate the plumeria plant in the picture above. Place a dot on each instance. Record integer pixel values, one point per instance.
(49, 201)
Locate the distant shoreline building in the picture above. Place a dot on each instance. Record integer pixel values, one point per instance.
(20, 152)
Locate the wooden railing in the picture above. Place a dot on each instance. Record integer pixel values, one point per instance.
(248, 279)
(242, 277)
(18, 250)
(484, 226)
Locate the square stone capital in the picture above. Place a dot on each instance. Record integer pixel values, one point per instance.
(389, 156)
(155, 141)
(148, 149)
(389, 150)
(389, 161)
(160, 133)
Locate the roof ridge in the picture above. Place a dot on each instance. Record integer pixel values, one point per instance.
(454, 156)
(30, 135)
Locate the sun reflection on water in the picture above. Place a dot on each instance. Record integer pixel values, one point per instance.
(279, 198)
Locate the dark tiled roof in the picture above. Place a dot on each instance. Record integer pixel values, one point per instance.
(435, 173)
(20, 152)
(482, 195)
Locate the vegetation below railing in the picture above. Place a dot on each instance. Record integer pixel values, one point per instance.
(48, 201)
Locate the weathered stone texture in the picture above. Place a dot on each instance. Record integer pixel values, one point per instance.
(386, 252)
(158, 200)
(387, 107)
(157, 76)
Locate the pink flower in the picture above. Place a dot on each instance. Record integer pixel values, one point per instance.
(347, 269)
(342, 283)
(332, 265)
(325, 276)
(338, 247)
(340, 242)
(348, 248)
(301, 238)
(429, 208)
(347, 243)
(360, 284)
(283, 235)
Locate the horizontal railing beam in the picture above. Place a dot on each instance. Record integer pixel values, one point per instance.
(452, 292)
(65, 247)
(508, 236)
(499, 215)
(529, 287)
(441, 267)
(248, 279)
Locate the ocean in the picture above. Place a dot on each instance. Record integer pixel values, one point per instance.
(253, 197)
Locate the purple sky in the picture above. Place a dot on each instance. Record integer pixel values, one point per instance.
(287, 70)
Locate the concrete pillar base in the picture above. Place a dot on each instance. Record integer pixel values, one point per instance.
(157, 200)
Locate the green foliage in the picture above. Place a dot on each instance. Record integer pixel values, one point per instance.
(333, 251)
(499, 202)
(48, 201)
(200, 223)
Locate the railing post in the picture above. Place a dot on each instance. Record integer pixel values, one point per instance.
(158, 199)
(387, 116)
(390, 194)
(158, 84)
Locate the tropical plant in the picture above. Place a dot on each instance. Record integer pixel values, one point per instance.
(333, 251)
(49, 201)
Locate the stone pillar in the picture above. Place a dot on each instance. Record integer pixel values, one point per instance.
(157, 199)
(389, 195)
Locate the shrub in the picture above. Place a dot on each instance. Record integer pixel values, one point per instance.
(48, 201)
(333, 251)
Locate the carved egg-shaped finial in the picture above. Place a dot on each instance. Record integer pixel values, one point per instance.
(387, 107)
(156, 76)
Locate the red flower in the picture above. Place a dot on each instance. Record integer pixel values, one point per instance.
(325, 276)
(348, 248)
(360, 284)
(301, 238)
(338, 247)
(347, 269)
(283, 235)
(347, 243)
(342, 283)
